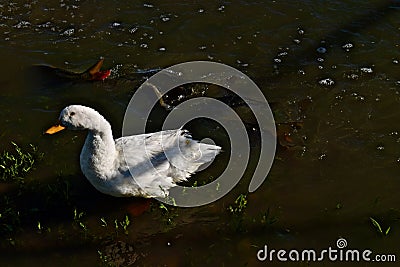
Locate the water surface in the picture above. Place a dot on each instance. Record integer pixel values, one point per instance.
(329, 69)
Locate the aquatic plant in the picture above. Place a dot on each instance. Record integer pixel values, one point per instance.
(104, 259)
(124, 224)
(379, 227)
(163, 208)
(103, 222)
(168, 215)
(267, 218)
(240, 204)
(14, 166)
(237, 211)
(78, 220)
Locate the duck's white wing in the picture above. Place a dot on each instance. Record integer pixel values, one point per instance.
(171, 155)
(137, 169)
(184, 154)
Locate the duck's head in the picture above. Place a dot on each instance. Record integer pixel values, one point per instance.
(77, 117)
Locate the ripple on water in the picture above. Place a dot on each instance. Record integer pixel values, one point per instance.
(321, 50)
(366, 69)
(357, 96)
(22, 24)
(326, 82)
(347, 46)
(68, 32)
(116, 24)
(165, 18)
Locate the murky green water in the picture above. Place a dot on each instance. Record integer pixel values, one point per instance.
(337, 168)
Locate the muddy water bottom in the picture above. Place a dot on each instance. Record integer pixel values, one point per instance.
(329, 70)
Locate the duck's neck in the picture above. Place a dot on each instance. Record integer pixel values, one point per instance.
(99, 150)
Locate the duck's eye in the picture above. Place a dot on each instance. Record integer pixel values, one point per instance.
(72, 114)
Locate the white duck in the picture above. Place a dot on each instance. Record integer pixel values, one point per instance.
(145, 165)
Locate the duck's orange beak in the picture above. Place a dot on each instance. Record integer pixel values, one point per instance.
(55, 129)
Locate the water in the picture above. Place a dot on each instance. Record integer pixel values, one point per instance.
(329, 69)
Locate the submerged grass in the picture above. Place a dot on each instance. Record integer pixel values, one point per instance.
(237, 211)
(26, 208)
(379, 228)
(15, 166)
(242, 221)
(267, 219)
(123, 223)
(168, 216)
(240, 205)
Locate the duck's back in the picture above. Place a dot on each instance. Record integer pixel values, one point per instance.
(159, 160)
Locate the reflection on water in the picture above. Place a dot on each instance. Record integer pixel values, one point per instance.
(329, 69)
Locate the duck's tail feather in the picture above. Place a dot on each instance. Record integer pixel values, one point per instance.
(192, 155)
